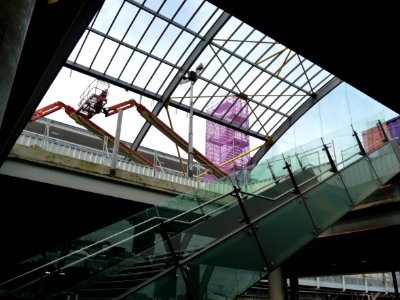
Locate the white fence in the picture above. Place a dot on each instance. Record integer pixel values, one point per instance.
(93, 155)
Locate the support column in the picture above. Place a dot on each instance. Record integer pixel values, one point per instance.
(294, 288)
(275, 285)
(396, 287)
(15, 17)
(113, 167)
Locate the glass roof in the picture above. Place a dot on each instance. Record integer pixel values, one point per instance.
(148, 46)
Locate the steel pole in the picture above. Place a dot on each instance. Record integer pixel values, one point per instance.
(190, 150)
(116, 142)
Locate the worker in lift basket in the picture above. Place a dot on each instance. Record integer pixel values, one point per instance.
(102, 100)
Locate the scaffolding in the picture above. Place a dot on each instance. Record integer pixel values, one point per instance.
(223, 143)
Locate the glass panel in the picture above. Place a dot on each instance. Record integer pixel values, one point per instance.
(359, 179)
(166, 40)
(142, 21)
(285, 231)
(307, 163)
(137, 239)
(104, 56)
(107, 15)
(122, 21)
(177, 49)
(118, 62)
(356, 109)
(186, 12)
(170, 286)
(169, 8)
(90, 244)
(87, 54)
(385, 161)
(227, 269)
(328, 202)
(152, 35)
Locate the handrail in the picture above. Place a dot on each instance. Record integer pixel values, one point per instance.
(148, 230)
(99, 153)
(165, 221)
(116, 234)
(287, 192)
(186, 260)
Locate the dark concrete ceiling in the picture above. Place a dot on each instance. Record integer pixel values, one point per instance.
(53, 31)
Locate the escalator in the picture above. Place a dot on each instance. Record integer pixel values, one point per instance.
(207, 245)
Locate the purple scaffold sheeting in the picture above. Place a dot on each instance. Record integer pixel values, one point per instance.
(223, 143)
(394, 127)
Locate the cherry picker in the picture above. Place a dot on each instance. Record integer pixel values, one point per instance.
(94, 103)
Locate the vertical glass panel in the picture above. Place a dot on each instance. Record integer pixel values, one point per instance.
(385, 161)
(186, 12)
(201, 17)
(179, 47)
(72, 263)
(170, 286)
(87, 54)
(166, 41)
(103, 57)
(133, 67)
(261, 50)
(153, 34)
(138, 28)
(74, 53)
(158, 77)
(212, 20)
(123, 21)
(356, 109)
(118, 62)
(227, 269)
(187, 51)
(107, 14)
(153, 4)
(285, 231)
(360, 179)
(167, 81)
(145, 72)
(328, 202)
(170, 7)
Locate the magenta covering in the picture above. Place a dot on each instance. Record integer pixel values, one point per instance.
(394, 128)
(223, 143)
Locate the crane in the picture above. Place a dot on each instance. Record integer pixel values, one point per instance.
(94, 104)
(81, 119)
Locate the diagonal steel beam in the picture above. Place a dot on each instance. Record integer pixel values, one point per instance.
(177, 79)
(259, 68)
(295, 116)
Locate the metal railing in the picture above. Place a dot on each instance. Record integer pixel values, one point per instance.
(96, 156)
(102, 157)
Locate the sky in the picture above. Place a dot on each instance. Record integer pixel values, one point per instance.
(69, 85)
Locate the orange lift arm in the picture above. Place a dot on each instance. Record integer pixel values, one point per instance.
(44, 111)
(91, 126)
(168, 132)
